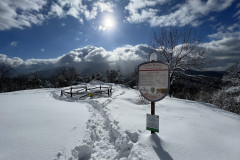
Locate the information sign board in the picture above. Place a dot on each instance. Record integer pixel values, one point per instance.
(153, 122)
(153, 80)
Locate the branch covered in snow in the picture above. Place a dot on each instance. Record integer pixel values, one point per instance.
(180, 49)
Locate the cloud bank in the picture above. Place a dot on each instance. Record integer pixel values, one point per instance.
(224, 46)
(91, 59)
(180, 14)
(88, 59)
(224, 52)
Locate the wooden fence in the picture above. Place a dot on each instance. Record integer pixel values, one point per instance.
(84, 91)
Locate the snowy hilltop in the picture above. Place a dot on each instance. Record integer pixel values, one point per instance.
(41, 124)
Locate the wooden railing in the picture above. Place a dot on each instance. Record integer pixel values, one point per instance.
(87, 91)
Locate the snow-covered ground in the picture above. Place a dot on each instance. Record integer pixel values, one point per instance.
(39, 124)
(35, 126)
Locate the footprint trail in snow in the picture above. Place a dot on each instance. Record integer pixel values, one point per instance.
(104, 139)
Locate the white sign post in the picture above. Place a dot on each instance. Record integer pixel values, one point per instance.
(153, 84)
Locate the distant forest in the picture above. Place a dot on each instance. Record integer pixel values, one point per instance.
(221, 91)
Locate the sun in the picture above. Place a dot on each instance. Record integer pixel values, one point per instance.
(108, 23)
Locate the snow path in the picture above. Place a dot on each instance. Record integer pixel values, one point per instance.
(104, 138)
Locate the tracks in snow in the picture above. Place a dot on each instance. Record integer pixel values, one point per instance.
(104, 139)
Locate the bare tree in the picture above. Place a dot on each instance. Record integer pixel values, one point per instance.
(180, 49)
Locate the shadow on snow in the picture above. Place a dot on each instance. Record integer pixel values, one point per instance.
(162, 154)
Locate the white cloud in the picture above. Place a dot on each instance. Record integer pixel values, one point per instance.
(20, 13)
(99, 54)
(107, 6)
(225, 52)
(224, 46)
(181, 14)
(77, 9)
(74, 8)
(15, 61)
(25, 13)
(231, 31)
(92, 58)
(126, 58)
(14, 43)
(237, 14)
(56, 10)
(139, 4)
(42, 50)
(26, 5)
(96, 54)
(90, 14)
(130, 53)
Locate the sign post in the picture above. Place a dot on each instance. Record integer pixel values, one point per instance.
(152, 111)
(153, 84)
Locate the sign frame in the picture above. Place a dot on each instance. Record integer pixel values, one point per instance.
(168, 81)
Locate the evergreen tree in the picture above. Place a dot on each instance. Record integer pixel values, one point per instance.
(67, 77)
(5, 75)
(112, 76)
(228, 97)
(93, 77)
(100, 77)
(34, 81)
(233, 75)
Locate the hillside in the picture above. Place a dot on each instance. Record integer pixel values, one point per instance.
(39, 124)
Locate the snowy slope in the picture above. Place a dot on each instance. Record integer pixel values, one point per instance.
(187, 129)
(35, 126)
(113, 128)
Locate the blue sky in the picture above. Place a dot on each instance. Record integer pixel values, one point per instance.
(41, 29)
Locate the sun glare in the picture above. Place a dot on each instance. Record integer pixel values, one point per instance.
(108, 23)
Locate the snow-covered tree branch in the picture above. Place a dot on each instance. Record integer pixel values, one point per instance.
(180, 48)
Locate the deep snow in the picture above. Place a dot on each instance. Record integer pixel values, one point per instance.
(35, 126)
(39, 124)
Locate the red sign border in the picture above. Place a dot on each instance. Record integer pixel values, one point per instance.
(168, 80)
